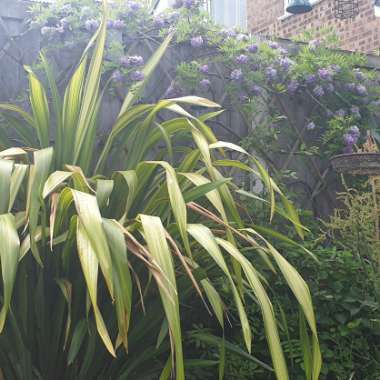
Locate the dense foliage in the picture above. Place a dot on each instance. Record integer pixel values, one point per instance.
(345, 288)
(338, 97)
(161, 228)
(347, 308)
(209, 250)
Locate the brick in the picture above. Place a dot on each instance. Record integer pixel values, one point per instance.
(359, 34)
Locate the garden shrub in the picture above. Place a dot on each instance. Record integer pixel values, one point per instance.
(306, 100)
(339, 102)
(102, 251)
(347, 305)
(345, 287)
(346, 297)
(353, 224)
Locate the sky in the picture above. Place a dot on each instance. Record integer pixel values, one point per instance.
(162, 5)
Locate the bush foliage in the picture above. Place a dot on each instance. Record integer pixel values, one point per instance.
(99, 264)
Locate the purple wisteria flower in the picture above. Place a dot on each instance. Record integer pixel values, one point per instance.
(314, 44)
(293, 87)
(271, 74)
(131, 61)
(349, 139)
(136, 60)
(189, 4)
(196, 42)
(242, 59)
(118, 24)
(137, 76)
(355, 111)
(318, 91)
(236, 75)
(283, 51)
(354, 131)
(361, 90)
(340, 113)
(310, 126)
(273, 44)
(255, 90)
(350, 86)
(178, 4)
(253, 48)
(325, 74)
(329, 113)
(117, 76)
(285, 63)
(134, 6)
(228, 33)
(91, 25)
(205, 84)
(159, 21)
(311, 79)
(204, 69)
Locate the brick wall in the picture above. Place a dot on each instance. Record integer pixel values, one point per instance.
(360, 34)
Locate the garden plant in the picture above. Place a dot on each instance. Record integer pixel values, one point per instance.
(304, 99)
(100, 265)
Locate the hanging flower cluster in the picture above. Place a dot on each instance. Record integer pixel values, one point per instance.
(341, 96)
(351, 138)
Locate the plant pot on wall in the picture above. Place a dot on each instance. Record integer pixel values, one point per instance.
(361, 163)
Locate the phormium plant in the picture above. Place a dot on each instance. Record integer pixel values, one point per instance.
(66, 215)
